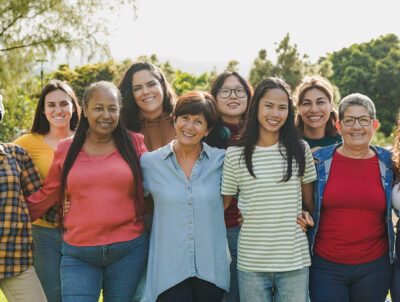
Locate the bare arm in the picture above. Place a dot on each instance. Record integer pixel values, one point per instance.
(227, 200)
(308, 196)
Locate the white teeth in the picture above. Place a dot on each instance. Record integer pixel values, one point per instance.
(105, 125)
(187, 134)
(58, 117)
(273, 122)
(314, 118)
(357, 134)
(148, 100)
(233, 104)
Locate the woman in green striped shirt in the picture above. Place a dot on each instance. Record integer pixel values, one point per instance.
(272, 169)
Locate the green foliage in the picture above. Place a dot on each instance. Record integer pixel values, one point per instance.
(19, 112)
(373, 69)
(82, 76)
(185, 82)
(380, 139)
(31, 29)
(232, 66)
(290, 65)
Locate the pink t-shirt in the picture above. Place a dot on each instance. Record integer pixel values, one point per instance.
(102, 196)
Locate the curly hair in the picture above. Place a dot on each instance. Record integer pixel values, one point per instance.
(396, 153)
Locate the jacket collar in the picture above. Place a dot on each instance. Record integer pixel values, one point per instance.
(327, 152)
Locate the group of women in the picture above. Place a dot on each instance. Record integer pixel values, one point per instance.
(140, 199)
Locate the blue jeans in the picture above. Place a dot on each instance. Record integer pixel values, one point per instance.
(233, 294)
(47, 260)
(116, 268)
(366, 282)
(289, 286)
(141, 288)
(395, 286)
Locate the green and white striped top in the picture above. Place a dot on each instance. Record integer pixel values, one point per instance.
(270, 240)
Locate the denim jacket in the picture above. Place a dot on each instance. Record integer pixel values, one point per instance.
(323, 165)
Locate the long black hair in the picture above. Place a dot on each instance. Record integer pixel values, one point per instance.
(122, 140)
(219, 135)
(130, 110)
(289, 139)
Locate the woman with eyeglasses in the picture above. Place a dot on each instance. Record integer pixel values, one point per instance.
(316, 117)
(232, 93)
(352, 240)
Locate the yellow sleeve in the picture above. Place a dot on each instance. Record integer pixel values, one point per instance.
(41, 153)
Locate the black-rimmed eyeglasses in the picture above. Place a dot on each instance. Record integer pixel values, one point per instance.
(364, 120)
(224, 93)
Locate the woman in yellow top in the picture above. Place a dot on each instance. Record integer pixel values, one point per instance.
(56, 117)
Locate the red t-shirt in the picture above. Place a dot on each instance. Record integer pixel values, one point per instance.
(101, 193)
(352, 228)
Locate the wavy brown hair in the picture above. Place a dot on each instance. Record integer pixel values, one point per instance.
(322, 84)
(130, 110)
(396, 153)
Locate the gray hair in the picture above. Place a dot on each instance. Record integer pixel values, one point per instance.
(356, 99)
(101, 85)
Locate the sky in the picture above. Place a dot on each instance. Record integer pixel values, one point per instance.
(196, 35)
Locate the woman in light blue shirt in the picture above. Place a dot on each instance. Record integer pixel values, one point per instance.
(188, 259)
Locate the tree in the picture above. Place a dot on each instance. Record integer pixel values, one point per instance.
(232, 66)
(31, 29)
(373, 69)
(82, 76)
(290, 65)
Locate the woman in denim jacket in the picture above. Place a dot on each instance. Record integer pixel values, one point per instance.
(352, 240)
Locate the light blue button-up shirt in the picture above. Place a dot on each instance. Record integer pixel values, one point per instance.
(188, 236)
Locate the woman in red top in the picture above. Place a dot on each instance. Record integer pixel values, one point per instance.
(104, 245)
(352, 240)
(233, 94)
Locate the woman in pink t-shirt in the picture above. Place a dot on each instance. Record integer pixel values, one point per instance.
(98, 171)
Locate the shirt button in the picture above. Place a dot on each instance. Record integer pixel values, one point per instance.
(190, 222)
(188, 187)
(191, 238)
(190, 203)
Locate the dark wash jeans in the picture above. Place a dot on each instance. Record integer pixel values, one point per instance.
(116, 268)
(333, 282)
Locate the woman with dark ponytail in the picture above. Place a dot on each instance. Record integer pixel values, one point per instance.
(98, 171)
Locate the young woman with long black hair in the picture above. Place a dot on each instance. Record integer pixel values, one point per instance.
(273, 170)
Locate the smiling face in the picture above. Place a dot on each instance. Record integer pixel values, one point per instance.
(190, 129)
(315, 109)
(102, 112)
(356, 136)
(273, 110)
(148, 93)
(58, 109)
(232, 107)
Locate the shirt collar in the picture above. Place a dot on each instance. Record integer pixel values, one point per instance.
(168, 150)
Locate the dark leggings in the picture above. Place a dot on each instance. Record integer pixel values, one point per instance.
(192, 290)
